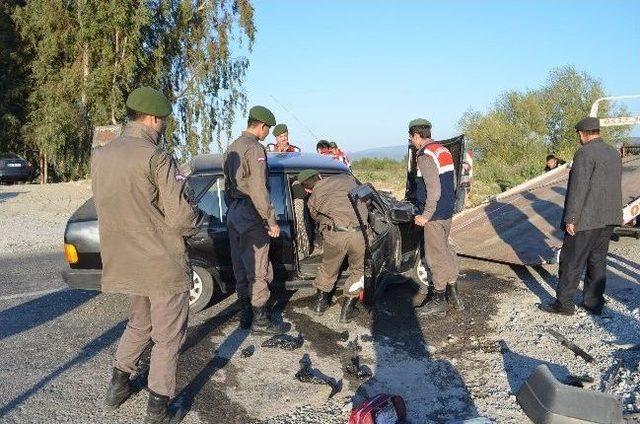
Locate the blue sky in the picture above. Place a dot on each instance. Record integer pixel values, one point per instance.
(357, 71)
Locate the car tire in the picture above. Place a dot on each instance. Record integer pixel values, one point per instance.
(202, 292)
(420, 273)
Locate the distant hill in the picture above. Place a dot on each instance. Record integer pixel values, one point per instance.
(390, 152)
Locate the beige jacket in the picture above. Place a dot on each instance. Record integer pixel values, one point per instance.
(143, 216)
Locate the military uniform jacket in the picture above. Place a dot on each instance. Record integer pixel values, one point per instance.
(594, 191)
(143, 216)
(246, 178)
(435, 164)
(329, 203)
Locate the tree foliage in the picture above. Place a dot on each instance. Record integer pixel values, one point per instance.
(14, 83)
(88, 55)
(512, 139)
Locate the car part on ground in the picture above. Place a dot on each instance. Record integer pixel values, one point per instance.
(570, 345)
(284, 341)
(546, 400)
(307, 374)
(381, 409)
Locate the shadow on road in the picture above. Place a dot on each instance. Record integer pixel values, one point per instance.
(36, 312)
(8, 195)
(432, 388)
(91, 349)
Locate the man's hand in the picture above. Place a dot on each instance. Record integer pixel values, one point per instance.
(274, 231)
(571, 229)
(420, 220)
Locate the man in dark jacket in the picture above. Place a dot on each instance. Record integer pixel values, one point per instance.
(143, 218)
(593, 206)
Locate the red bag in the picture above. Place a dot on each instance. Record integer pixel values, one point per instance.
(381, 409)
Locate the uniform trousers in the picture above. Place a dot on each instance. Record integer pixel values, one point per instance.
(440, 256)
(586, 248)
(336, 246)
(162, 319)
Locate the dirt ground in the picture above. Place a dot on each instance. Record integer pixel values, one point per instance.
(57, 344)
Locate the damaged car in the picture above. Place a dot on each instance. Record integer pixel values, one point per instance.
(392, 240)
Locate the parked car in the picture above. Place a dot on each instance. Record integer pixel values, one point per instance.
(392, 240)
(14, 169)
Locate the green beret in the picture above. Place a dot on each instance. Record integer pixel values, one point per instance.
(262, 114)
(419, 121)
(588, 124)
(280, 129)
(306, 174)
(149, 101)
(333, 145)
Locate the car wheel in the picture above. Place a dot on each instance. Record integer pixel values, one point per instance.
(420, 273)
(202, 292)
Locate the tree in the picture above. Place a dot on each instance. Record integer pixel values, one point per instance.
(512, 139)
(88, 55)
(14, 83)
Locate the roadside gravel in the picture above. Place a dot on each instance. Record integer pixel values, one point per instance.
(467, 365)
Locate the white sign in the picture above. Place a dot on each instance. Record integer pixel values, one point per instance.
(622, 120)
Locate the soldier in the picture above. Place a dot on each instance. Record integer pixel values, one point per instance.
(143, 218)
(435, 164)
(251, 220)
(593, 206)
(330, 207)
(338, 154)
(281, 133)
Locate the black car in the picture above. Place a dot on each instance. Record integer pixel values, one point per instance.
(392, 240)
(15, 169)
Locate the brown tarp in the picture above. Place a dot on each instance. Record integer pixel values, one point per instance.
(522, 225)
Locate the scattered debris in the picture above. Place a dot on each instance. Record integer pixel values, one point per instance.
(353, 366)
(344, 336)
(306, 374)
(570, 345)
(608, 384)
(248, 351)
(582, 381)
(368, 338)
(284, 341)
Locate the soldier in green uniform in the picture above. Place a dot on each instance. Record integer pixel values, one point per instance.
(330, 207)
(251, 220)
(143, 218)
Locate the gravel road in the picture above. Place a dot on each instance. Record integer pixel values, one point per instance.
(57, 344)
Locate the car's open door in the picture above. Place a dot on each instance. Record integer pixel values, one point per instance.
(376, 229)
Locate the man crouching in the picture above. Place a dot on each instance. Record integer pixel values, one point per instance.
(330, 207)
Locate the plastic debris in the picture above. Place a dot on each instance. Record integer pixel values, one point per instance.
(248, 351)
(284, 341)
(307, 374)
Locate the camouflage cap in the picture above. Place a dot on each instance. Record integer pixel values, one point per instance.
(149, 101)
(306, 174)
(419, 121)
(588, 124)
(280, 129)
(262, 114)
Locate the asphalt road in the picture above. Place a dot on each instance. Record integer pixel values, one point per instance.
(57, 344)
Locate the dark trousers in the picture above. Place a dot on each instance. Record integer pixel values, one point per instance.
(586, 248)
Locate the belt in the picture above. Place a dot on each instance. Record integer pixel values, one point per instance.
(341, 229)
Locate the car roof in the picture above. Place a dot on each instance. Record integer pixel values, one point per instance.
(277, 161)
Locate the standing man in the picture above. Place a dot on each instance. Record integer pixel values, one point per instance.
(435, 164)
(330, 207)
(281, 133)
(593, 206)
(338, 154)
(251, 220)
(143, 218)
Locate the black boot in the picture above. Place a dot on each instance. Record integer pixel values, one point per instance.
(420, 296)
(119, 389)
(452, 297)
(157, 409)
(323, 299)
(349, 310)
(436, 306)
(245, 313)
(262, 323)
